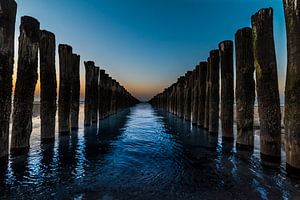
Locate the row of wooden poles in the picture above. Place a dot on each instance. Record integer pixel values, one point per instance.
(196, 95)
(104, 96)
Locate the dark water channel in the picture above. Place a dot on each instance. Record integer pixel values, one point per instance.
(141, 153)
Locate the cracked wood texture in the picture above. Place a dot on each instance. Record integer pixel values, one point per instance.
(292, 88)
(227, 91)
(48, 85)
(8, 9)
(25, 86)
(245, 88)
(65, 75)
(267, 85)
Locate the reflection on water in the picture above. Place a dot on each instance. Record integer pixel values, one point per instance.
(141, 153)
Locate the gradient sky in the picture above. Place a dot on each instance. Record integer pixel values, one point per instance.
(147, 44)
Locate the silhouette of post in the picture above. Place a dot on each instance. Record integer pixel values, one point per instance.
(25, 86)
(292, 88)
(8, 9)
(227, 91)
(48, 85)
(267, 86)
(202, 93)
(65, 81)
(214, 97)
(196, 89)
(207, 92)
(95, 95)
(88, 102)
(75, 92)
(245, 88)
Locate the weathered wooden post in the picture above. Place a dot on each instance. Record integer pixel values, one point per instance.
(25, 86)
(267, 86)
(187, 96)
(173, 98)
(95, 95)
(292, 87)
(101, 95)
(65, 80)
(106, 97)
(202, 93)
(245, 88)
(8, 9)
(180, 97)
(214, 97)
(207, 94)
(113, 96)
(48, 85)
(75, 92)
(109, 95)
(227, 91)
(118, 97)
(196, 90)
(88, 102)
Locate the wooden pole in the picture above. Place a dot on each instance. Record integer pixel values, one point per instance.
(202, 93)
(292, 87)
(180, 97)
(207, 92)
(75, 92)
(65, 77)
(187, 96)
(267, 86)
(227, 91)
(8, 10)
(88, 102)
(214, 97)
(25, 86)
(195, 101)
(245, 88)
(48, 85)
(114, 96)
(101, 94)
(95, 95)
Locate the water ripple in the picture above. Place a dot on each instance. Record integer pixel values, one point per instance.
(141, 153)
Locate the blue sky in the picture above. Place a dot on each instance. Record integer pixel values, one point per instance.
(148, 44)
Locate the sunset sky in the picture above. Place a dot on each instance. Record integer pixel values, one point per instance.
(147, 44)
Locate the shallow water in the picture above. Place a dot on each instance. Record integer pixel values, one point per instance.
(142, 153)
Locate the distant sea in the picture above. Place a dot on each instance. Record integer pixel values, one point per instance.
(37, 100)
